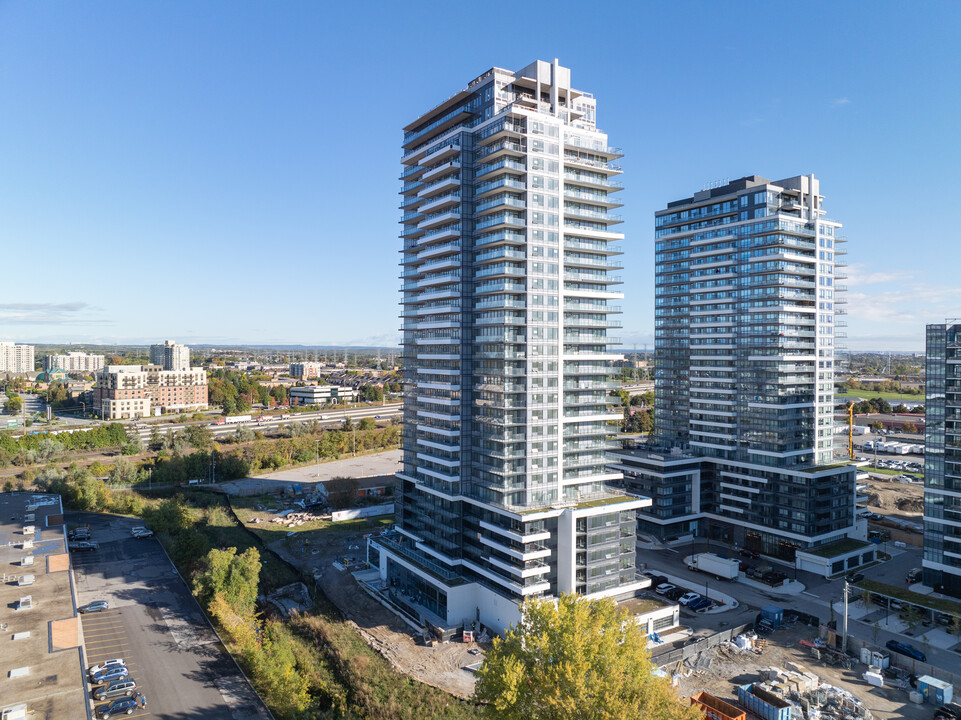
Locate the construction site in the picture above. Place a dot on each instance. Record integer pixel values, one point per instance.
(793, 674)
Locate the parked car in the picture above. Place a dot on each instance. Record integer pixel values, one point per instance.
(913, 576)
(749, 554)
(120, 706)
(116, 662)
(143, 533)
(949, 711)
(95, 606)
(855, 577)
(125, 687)
(663, 588)
(109, 675)
(905, 649)
(675, 593)
(82, 546)
(702, 603)
(688, 598)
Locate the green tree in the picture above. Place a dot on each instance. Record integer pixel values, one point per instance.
(579, 659)
(232, 577)
(279, 393)
(877, 425)
(13, 404)
(367, 423)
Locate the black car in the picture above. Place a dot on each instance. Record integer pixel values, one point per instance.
(855, 578)
(749, 554)
(658, 580)
(675, 593)
(950, 711)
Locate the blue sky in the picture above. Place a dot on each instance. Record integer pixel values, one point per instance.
(227, 171)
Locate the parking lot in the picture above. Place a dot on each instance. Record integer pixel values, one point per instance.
(156, 627)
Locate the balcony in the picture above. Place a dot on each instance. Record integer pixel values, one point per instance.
(592, 180)
(497, 222)
(507, 182)
(501, 201)
(506, 165)
(501, 236)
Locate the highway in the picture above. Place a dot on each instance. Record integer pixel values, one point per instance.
(327, 418)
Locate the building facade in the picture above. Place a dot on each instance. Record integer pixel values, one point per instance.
(306, 370)
(941, 565)
(131, 391)
(16, 358)
(322, 395)
(170, 356)
(748, 307)
(508, 274)
(74, 362)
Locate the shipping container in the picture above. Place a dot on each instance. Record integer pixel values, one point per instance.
(763, 703)
(934, 691)
(716, 709)
(773, 614)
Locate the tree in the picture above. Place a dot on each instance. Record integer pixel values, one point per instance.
(279, 393)
(910, 428)
(577, 659)
(877, 425)
(12, 405)
(231, 576)
(367, 423)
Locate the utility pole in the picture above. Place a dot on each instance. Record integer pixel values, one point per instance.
(317, 446)
(844, 625)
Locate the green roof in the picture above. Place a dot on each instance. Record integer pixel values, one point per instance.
(840, 547)
(879, 588)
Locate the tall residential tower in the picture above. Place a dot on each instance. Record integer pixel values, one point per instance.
(508, 262)
(747, 310)
(942, 459)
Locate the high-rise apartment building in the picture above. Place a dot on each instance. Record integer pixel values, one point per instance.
(74, 362)
(16, 358)
(170, 356)
(508, 274)
(941, 565)
(747, 309)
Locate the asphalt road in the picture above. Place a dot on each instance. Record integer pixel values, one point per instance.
(155, 625)
(816, 599)
(334, 418)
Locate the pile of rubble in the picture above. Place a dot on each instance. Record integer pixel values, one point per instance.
(810, 698)
(293, 519)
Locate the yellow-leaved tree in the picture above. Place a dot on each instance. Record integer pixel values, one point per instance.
(575, 660)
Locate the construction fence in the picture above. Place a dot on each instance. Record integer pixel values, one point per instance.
(692, 649)
(915, 667)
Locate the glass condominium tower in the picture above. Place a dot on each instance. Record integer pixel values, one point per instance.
(747, 312)
(941, 565)
(508, 274)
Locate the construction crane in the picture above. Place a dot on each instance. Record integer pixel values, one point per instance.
(851, 431)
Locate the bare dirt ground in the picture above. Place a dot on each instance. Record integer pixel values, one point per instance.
(890, 497)
(730, 669)
(315, 551)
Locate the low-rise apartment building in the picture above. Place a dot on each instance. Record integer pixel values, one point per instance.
(74, 362)
(306, 370)
(130, 391)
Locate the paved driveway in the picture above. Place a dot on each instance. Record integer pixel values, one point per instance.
(155, 625)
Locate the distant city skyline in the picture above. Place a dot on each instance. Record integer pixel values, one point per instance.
(188, 171)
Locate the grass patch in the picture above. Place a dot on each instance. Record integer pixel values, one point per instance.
(886, 471)
(837, 548)
(944, 606)
(871, 394)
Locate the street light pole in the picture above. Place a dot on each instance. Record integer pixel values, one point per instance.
(317, 446)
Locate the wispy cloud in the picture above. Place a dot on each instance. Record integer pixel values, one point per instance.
(858, 275)
(841, 101)
(47, 314)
